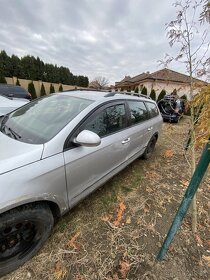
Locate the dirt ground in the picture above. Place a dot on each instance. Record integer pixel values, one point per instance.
(117, 231)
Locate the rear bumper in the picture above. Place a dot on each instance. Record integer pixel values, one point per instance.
(171, 118)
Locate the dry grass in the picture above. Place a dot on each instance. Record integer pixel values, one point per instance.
(117, 231)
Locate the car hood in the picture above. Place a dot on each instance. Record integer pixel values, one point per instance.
(15, 154)
(6, 110)
(8, 105)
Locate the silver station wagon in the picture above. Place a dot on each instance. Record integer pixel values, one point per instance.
(56, 150)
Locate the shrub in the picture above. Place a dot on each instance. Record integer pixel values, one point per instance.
(32, 90)
(60, 88)
(174, 92)
(52, 89)
(2, 80)
(17, 82)
(161, 95)
(144, 90)
(183, 97)
(153, 95)
(42, 91)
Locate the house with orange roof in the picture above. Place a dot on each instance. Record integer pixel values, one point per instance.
(164, 79)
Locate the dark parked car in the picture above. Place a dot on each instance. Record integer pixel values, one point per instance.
(171, 108)
(14, 91)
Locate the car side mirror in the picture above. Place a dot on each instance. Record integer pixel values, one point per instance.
(88, 138)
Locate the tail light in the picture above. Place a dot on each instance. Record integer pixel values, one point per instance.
(30, 96)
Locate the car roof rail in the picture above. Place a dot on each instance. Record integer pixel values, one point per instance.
(86, 89)
(135, 94)
(142, 95)
(110, 94)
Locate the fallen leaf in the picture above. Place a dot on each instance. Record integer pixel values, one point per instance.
(149, 190)
(171, 248)
(106, 218)
(128, 220)
(59, 270)
(146, 209)
(139, 221)
(185, 183)
(199, 241)
(168, 153)
(73, 241)
(79, 277)
(206, 259)
(115, 277)
(152, 175)
(124, 269)
(120, 211)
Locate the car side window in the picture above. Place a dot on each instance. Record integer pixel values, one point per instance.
(153, 110)
(108, 121)
(138, 111)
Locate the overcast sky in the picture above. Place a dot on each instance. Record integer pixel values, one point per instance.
(110, 38)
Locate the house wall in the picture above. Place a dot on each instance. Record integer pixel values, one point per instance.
(169, 87)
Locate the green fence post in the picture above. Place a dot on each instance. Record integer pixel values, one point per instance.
(188, 196)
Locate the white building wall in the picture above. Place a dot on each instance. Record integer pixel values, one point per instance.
(168, 87)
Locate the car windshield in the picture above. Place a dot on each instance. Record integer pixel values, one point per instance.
(40, 120)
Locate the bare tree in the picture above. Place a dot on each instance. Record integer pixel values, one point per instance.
(99, 83)
(205, 14)
(189, 33)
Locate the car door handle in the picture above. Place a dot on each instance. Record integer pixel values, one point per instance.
(150, 128)
(126, 141)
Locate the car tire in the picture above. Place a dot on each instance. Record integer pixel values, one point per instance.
(23, 231)
(150, 148)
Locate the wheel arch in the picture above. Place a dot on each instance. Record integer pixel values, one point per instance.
(54, 207)
(155, 135)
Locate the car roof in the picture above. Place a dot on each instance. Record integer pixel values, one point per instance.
(102, 95)
(9, 87)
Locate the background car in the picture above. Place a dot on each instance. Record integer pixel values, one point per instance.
(172, 108)
(56, 151)
(8, 105)
(14, 91)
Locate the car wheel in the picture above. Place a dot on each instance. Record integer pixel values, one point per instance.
(22, 233)
(150, 148)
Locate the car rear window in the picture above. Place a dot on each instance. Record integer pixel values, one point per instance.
(153, 110)
(138, 111)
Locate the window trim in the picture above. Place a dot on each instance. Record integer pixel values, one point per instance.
(68, 144)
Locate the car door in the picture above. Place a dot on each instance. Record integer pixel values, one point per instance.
(89, 167)
(154, 117)
(140, 128)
